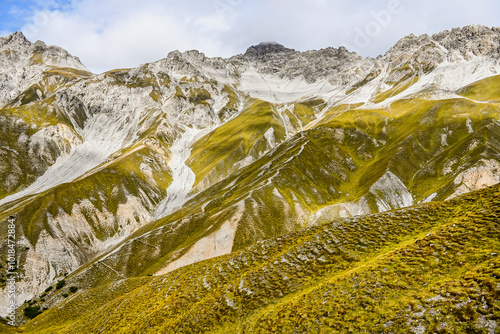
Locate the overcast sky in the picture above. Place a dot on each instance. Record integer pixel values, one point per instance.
(108, 34)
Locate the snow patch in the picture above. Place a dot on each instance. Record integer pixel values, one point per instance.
(340, 210)
(429, 198)
(444, 139)
(269, 135)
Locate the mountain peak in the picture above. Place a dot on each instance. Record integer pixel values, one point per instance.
(16, 37)
(409, 42)
(469, 31)
(471, 41)
(39, 52)
(464, 43)
(266, 48)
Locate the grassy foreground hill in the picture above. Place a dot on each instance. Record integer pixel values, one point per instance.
(431, 268)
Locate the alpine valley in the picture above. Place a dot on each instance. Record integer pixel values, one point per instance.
(273, 191)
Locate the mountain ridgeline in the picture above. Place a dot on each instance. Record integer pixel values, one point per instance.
(273, 191)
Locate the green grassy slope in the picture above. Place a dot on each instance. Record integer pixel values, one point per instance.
(257, 129)
(7, 329)
(81, 216)
(86, 212)
(483, 90)
(426, 144)
(30, 112)
(235, 140)
(433, 266)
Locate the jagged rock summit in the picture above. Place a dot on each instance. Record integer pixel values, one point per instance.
(267, 48)
(39, 52)
(23, 63)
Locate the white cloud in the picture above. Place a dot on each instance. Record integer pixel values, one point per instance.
(108, 34)
(111, 34)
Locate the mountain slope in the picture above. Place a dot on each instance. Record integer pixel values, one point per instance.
(141, 171)
(290, 185)
(33, 134)
(433, 267)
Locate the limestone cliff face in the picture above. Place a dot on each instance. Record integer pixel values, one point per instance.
(22, 64)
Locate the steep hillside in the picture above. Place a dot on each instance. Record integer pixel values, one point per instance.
(33, 136)
(429, 268)
(140, 171)
(374, 163)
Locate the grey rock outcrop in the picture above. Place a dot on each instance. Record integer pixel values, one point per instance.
(267, 48)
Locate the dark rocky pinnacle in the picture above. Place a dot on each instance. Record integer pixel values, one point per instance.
(267, 48)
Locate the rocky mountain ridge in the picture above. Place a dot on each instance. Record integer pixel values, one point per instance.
(23, 62)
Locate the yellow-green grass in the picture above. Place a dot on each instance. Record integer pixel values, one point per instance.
(396, 89)
(368, 274)
(233, 140)
(487, 90)
(294, 177)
